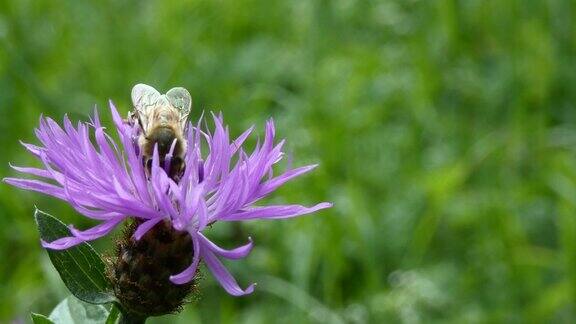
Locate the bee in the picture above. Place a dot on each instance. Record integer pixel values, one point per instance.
(162, 119)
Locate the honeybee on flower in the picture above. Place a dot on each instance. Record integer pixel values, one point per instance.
(162, 119)
(133, 179)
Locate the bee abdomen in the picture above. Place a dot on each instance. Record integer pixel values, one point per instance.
(163, 137)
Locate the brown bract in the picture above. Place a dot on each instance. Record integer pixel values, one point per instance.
(140, 270)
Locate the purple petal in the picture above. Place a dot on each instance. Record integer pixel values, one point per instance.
(33, 171)
(274, 212)
(145, 227)
(189, 273)
(168, 157)
(237, 253)
(91, 213)
(97, 231)
(240, 140)
(61, 243)
(190, 205)
(37, 185)
(118, 121)
(272, 184)
(202, 216)
(222, 275)
(95, 118)
(35, 150)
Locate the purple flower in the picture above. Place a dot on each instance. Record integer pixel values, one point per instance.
(107, 181)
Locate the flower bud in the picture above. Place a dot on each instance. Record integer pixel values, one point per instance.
(140, 270)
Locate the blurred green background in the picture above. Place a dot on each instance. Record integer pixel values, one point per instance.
(445, 132)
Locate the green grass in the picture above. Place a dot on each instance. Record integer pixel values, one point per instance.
(445, 132)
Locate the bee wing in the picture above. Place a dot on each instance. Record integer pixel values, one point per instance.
(144, 98)
(180, 99)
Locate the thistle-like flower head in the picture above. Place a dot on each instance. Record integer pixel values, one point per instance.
(106, 180)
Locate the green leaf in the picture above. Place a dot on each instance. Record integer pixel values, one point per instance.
(40, 319)
(74, 311)
(80, 267)
(114, 314)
